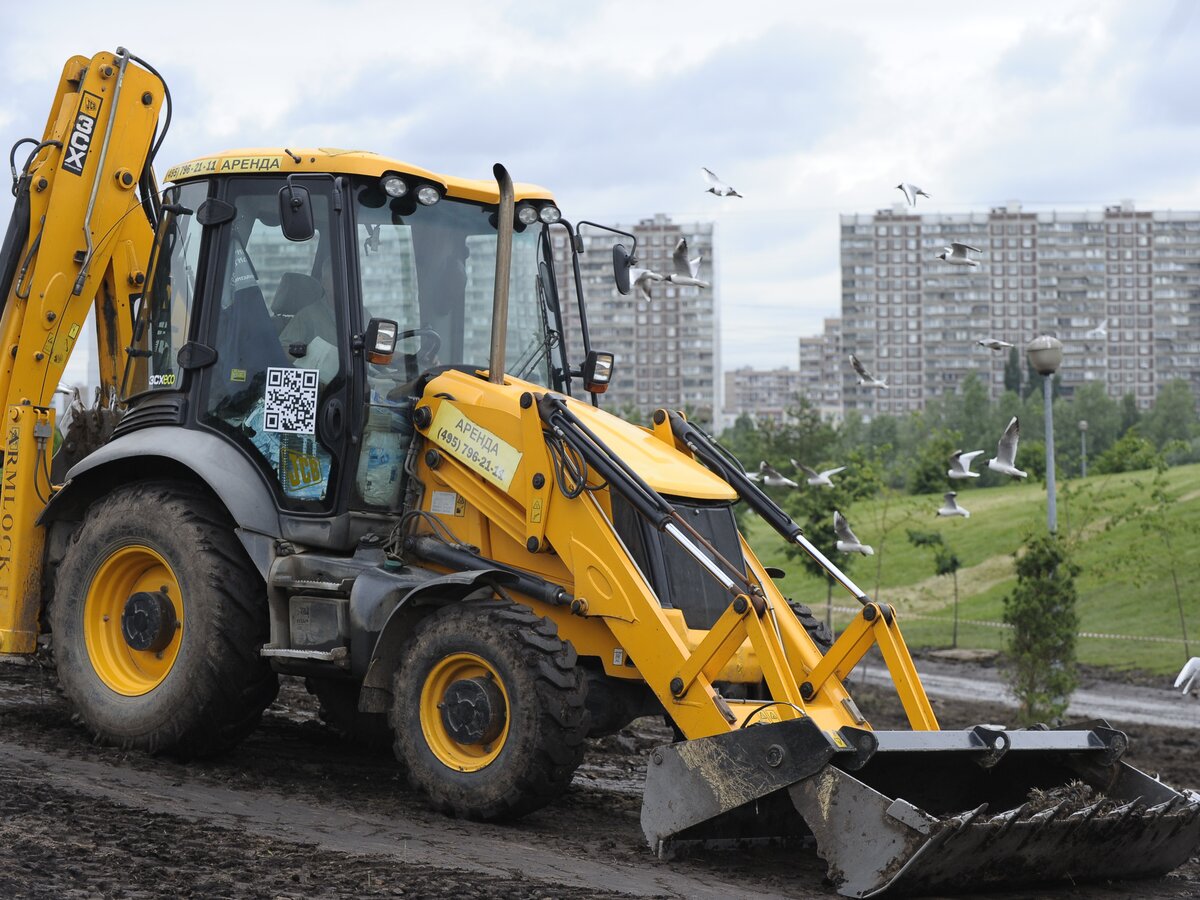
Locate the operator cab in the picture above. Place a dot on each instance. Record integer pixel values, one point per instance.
(248, 332)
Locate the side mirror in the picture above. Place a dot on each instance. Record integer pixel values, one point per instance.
(598, 370)
(622, 262)
(295, 212)
(380, 341)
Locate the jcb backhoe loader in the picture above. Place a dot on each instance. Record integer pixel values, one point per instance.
(344, 441)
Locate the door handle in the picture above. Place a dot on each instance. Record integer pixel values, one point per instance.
(333, 421)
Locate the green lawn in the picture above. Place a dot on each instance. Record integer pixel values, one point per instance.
(1126, 586)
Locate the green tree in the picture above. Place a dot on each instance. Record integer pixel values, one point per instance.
(1173, 416)
(1152, 512)
(812, 509)
(1131, 453)
(1130, 414)
(1012, 371)
(1041, 647)
(945, 562)
(931, 462)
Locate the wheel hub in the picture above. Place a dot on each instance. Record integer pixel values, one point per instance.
(473, 711)
(148, 621)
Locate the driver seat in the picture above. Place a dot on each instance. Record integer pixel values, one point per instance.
(296, 291)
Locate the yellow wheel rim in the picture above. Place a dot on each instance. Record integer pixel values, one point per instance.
(450, 752)
(125, 572)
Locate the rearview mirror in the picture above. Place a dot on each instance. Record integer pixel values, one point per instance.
(598, 369)
(622, 262)
(380, 341)
(295, 212)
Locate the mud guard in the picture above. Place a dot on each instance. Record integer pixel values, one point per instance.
(907, 812)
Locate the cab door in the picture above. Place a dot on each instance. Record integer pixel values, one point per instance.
(279, 387)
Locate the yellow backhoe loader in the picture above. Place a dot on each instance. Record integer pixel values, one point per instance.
(339, 437)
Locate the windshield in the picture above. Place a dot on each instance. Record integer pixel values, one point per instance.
(432, 269)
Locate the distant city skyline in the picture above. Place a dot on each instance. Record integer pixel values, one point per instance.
(810, 111)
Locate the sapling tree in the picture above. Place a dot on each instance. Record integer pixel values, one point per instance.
(1041, 612)
(945, 562)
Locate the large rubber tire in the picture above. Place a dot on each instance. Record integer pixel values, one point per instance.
(820, 633)
(339, 710)
(531, 762)
(207, 688)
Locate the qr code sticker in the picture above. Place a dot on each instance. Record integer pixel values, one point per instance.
(290, 404)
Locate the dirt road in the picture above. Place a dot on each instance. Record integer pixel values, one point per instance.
(296, 813)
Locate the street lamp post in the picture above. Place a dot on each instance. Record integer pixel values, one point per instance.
(1083, 448)
(1045, 355)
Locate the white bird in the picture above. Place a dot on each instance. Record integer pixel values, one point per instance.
(686, 269)
(772, 477)
(865, 377)
(960, 464)
(1099, 333)
(1188, 674)
(847, 541)
(642, 279)
(952, 508)
(911, 192)
(716, 185)
(994, 344)
(815, 478)
(1006, 451)
(956, 254)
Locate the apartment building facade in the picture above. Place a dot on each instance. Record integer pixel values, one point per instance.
(1120, 287)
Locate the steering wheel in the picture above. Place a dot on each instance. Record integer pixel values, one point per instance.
(431, 342)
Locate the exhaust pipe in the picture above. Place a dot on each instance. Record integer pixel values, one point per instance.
(504, 239)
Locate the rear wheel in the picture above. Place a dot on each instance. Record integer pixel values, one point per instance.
(489, 710)
(157, 618)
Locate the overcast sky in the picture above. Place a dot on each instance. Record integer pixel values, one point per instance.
(808, 111)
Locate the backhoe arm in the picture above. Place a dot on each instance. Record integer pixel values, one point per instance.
(79, 240)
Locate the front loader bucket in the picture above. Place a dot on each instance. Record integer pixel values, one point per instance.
(911, 812)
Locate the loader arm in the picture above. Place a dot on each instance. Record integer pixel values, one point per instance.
(78, 243)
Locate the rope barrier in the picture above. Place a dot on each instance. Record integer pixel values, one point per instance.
(1097, 635)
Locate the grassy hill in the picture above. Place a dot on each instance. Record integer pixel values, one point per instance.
(1126, 586)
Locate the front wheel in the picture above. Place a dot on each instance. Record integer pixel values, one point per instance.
(489, 710)
(157, 620)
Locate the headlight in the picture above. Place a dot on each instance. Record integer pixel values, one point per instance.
(526, 214)
(549, 214)
(394, 186)
(427, 195)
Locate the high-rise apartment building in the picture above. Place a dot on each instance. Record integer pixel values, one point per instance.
(821, 362)
(668, 348)
(762, 394)
(1119, 287)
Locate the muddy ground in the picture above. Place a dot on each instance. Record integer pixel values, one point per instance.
(295, 812)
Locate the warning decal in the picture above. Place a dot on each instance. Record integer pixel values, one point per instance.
(474, 446)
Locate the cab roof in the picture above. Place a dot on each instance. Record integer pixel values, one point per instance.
(277, 160)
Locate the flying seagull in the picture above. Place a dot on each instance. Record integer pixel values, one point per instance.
(642, 279)
(1188, 674)
(1099, 333)
(847, 542)
(911, 192)
(716, 185)
(952, 508)
(865, 377)
(1006, 451)
(686, 269)
(772, 477)
(960, 464)
(956, 254)
(815, 478)
(994, 344)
